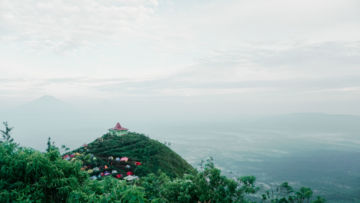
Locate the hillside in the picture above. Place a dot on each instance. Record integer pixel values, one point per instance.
(144, 156)
(28, 175)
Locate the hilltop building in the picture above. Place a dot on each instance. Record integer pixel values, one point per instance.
(118, 130)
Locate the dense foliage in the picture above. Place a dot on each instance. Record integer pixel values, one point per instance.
(27, 175)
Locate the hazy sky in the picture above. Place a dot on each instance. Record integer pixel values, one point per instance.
(249, 55)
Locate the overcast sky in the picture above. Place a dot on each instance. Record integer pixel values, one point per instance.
(242, 56)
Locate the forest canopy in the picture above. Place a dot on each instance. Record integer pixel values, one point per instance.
(28, 175)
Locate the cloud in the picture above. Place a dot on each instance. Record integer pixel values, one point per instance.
(281, 61)
(64, 24)
(209, 50)
(325, 56)
(176, 26)
(250, 69)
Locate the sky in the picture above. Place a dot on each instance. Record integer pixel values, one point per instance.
(228, 56)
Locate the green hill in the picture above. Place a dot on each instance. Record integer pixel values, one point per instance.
(145, 156)
(28, 175)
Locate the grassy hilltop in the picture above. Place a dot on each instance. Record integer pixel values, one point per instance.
(152, 155)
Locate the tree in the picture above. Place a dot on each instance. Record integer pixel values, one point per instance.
(6, 133)
(65, 148)
(51, 146)
(304, 194)
(319, 200)
(133, 194)
(28, 175)
(284, 193)
(206, 185)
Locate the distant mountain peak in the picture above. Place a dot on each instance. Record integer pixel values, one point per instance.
(47, 98)
(46, 102)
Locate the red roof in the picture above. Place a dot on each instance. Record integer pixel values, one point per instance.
(119, 127)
